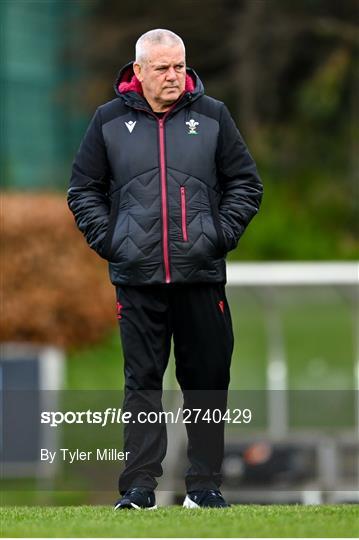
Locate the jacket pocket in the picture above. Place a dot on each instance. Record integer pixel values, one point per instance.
(107, 241)
(222, 245)
(184, 213)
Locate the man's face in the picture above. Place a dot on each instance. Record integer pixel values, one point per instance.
(163, 75)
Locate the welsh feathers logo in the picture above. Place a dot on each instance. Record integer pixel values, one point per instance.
(192, 127)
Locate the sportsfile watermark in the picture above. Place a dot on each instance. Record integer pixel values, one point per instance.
(277, 440)
(118, 416)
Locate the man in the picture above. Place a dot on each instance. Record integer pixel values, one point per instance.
(163, 187)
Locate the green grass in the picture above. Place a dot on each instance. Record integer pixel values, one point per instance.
(237, 521)
(318, 331)
(96, 367)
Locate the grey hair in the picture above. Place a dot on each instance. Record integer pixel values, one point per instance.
(159, 36)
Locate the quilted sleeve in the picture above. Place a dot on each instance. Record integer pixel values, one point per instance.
(88, 192)
(241, 186)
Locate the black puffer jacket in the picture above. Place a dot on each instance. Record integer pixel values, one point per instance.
(163, 199)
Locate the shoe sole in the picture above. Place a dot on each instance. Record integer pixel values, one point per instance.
(135, 506)
(188, 503)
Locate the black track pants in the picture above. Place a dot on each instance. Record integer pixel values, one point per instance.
(198, 317)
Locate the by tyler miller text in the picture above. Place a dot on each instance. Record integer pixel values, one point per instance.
(76, 455)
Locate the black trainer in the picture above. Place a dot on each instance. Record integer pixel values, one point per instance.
(208, 498)
(137, 498)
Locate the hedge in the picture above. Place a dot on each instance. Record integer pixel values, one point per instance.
(55, 289)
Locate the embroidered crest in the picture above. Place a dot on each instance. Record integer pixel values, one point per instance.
(192, 127)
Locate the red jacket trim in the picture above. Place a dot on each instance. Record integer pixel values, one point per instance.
(134, 85)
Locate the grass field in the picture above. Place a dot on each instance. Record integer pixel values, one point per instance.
(237, 521)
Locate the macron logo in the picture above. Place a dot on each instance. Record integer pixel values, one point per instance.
(130, 125)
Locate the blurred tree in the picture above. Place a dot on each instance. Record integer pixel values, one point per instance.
(254, 54)
(109, 30)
